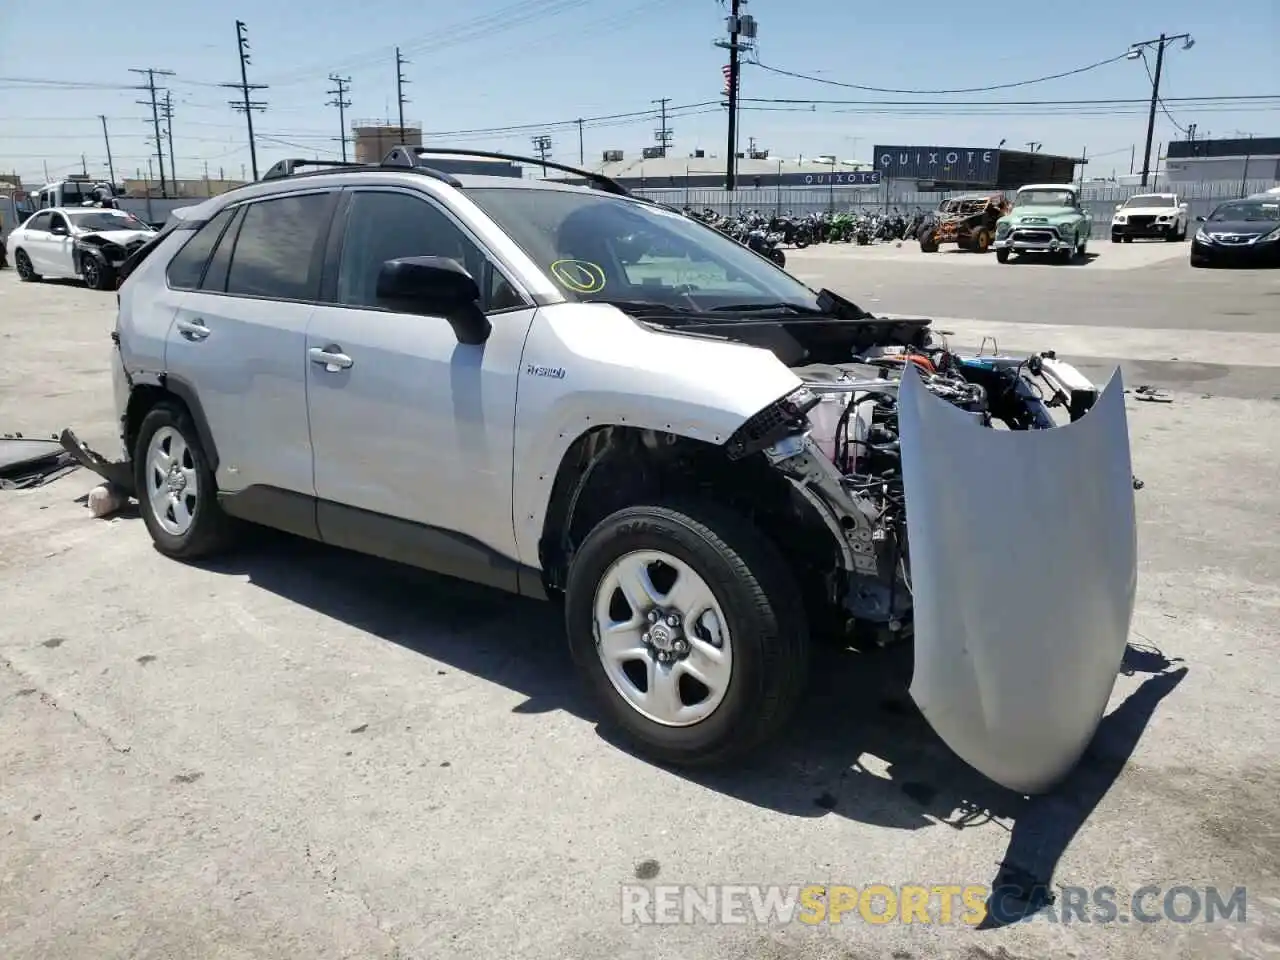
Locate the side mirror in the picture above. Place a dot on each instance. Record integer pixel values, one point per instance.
(1119, 205)
(435, 286)
(58, 230)
(1200, 220)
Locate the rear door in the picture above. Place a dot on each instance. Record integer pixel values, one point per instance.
(239, 340)
(35, 240)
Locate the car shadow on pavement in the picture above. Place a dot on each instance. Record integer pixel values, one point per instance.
(1084, 261)
(858, 747)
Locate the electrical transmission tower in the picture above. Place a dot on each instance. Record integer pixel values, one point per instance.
(341, 87)
(245, 104)
(151, 74)
(663, 134)
(401, 63)
(166, 114)
(543, 145)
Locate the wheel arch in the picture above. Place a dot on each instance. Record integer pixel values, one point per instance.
(145, 396)
(610, 467)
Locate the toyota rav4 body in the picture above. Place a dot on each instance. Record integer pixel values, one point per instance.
(568, 392)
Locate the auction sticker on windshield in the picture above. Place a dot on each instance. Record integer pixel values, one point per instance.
(580, 276)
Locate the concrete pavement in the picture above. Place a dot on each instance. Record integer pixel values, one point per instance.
(298, 752)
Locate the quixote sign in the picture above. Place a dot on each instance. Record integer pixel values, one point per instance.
(942, 164)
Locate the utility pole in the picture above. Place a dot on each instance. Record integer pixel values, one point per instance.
(543, 145)
(1136, 51)
(401, 63)
(742, 33)
(663, 133)
(342, 85)
(84, 165)
(168, 119)
(582, 157)
(152, 73)
(245, 104)
(111, 168)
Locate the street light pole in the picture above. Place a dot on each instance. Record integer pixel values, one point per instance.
(1135, 52)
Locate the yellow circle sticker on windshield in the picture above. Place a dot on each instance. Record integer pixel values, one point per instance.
(580, 276)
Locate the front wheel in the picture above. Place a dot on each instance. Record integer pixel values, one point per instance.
(97, 275)
(1002, 255)
(688, 628)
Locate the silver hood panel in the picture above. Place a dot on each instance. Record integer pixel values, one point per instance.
(1023, 549)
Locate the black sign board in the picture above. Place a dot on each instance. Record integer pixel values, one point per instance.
(975, 165)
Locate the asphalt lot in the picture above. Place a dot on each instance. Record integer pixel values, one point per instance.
(297, 752)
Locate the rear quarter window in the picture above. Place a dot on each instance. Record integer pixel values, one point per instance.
(187, 267)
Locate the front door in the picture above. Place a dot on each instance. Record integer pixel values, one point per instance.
(59, 248)
(406, 422)
(238, 340)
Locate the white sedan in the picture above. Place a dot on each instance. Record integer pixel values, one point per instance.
(76, 243)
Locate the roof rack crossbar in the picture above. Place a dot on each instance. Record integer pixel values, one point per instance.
(411, 156)
(287, 168)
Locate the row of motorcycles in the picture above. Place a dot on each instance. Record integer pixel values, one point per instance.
(767, 234)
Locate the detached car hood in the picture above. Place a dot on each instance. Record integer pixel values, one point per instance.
(1023, 552)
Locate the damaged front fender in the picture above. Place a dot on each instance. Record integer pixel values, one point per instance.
(1024, 569)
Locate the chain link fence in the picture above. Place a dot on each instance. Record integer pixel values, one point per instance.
(1099, 199)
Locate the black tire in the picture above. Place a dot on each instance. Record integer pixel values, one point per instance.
(981, 240)
(928, 246)
(764, 615)
(1200, 262)
(211, 530)
(1115, 238)
(22, 263)
(1128, 239)
(97, 275)
(1002, 255)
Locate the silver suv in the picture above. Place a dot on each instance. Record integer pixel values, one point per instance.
(563, 391)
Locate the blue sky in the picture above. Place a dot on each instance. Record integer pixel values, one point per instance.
(498, 63)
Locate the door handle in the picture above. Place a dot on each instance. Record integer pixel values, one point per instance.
(331, 358)
(192, 329)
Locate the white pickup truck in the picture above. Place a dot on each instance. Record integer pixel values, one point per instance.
(1160, 216)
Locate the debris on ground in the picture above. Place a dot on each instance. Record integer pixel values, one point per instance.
(1151, 394)
(27, 462)
(106, 499)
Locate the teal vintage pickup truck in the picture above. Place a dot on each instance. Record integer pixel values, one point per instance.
(1046, 219)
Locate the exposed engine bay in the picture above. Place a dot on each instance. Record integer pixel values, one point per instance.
(106, 251)
(837, 441)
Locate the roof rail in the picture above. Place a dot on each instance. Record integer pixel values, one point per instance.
(406, 156)
(287, 168)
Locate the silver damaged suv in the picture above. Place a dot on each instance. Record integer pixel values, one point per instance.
(560, 390)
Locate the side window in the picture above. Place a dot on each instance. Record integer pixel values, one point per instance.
(215, 275)
(382, 225)
(187, 266)
(40, 222)
(276, 245)
(58, 221)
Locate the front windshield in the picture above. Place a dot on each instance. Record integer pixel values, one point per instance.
(1046, 198)
(106, 220)
(1248, 210)
(600, 247)
(1149, 201)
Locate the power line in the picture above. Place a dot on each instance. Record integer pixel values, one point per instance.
(342, 86)
(245, 105)
(401, 62)
(151, 74)
(995, 86)
(663, 133)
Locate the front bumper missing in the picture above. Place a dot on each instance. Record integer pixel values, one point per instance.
(118, 473)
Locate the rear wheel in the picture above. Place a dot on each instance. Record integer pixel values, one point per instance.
(176, 491)
(22, 263)
(686, 625)
(981, 241)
